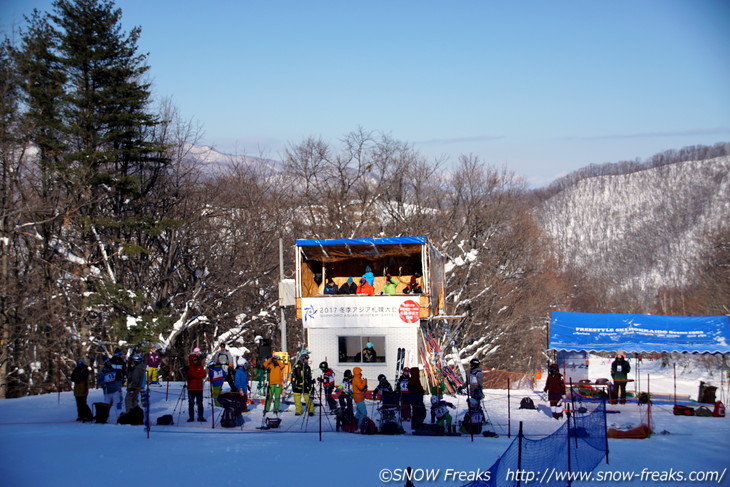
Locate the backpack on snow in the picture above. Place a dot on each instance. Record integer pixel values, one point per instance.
(683, 411)
(134, 416)
(367, 426)
(165, 420)
(703, 411)
(719, 411)
(526, 403)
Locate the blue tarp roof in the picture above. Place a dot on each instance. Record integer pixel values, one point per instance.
(639, 333)
(364, 241)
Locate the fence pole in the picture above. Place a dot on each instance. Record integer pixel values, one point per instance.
(509, 412)
(605, 426)
(519, 456)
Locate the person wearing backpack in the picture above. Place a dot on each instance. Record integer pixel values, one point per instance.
(240, 380)
(555, 388)
(327, 379)
(80, 378)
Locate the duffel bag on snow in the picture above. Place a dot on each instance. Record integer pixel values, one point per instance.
(683, 411)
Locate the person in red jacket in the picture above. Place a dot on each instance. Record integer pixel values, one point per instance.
(365, 288)
(555, 388)
(195, 374)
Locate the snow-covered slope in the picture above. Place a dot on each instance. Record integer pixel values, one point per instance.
(41, 444)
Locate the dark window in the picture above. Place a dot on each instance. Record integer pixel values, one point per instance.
(354, 349)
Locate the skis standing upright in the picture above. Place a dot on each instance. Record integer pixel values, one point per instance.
(399, 363)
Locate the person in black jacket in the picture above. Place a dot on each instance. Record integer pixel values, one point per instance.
(302, 384)
(80, 378)
(349, 287)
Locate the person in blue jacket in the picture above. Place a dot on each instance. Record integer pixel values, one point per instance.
(369, 276)
(240, 380)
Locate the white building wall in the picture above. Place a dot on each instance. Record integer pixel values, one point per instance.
(323, 346)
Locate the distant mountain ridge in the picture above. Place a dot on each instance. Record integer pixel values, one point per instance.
(643, 230)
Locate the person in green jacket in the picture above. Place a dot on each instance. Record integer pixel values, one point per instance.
(390, 285)
(620, 369)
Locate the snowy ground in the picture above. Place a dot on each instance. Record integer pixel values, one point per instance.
(41, 444)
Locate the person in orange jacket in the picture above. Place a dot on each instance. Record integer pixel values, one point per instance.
(365, 288)
(359, 388)
(276, 380)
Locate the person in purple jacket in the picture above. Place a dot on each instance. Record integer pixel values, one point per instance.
(153, 364)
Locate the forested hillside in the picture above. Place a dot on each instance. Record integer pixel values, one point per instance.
(634, 234)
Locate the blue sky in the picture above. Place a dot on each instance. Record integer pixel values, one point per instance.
(540, 87)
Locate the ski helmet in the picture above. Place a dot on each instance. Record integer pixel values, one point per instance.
(323, 366)
(473, 403)
(137, 358)
(382, 378)
(434, 399)
(474, 362)
(211, 363)
(242, 362)
(348, 373)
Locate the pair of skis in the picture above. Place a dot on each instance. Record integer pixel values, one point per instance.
(400, 363)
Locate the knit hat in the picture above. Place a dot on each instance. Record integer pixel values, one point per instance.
(118, 352)
(196, 350)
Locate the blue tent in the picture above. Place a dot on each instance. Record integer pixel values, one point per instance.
(639, 333)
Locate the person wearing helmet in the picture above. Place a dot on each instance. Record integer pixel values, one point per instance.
(401, 387)
(302, 385)
(275, 368)
(240, 380)
(473, 418)
(136, 382)
(120, 366)
(555, 388)
(382, 387)
(440, 413)
(476, 380)
(327, 380)
(217, 377)
(153, 365)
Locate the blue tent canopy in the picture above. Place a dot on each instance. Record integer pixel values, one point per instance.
(639, 333)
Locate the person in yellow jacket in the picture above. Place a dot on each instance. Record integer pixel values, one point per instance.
(276, 380)
(359, 388)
